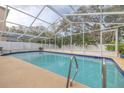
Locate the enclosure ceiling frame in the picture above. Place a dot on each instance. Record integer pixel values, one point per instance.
(29, 15)
(67, 24)
(72, 8)
(33, 21)
(53, 23)
(61, 29)
(18, 25)
(36, 36)
(44, 31)
(54, 10)
(113, 30)
(96, 23)
(19, 34)
(97, 13)
(89, 31)
(64, 16)
(50, 7)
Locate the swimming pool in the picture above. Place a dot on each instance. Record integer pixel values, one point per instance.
(89, 70)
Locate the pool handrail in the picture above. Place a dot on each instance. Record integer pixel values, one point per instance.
(69, 73)
(103, 73)
(70, 68)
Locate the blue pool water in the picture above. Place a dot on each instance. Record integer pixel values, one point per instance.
(89, 72)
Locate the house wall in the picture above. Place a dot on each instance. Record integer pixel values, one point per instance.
(2, 14)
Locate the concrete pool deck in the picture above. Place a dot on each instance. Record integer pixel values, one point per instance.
(15, 73)
(120, 62)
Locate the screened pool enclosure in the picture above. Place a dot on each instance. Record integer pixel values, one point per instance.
(88, 30)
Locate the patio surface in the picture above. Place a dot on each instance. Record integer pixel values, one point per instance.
(120, 62)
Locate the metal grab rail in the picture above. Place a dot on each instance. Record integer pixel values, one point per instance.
(70, 68)
(103, 73)
(69, 73)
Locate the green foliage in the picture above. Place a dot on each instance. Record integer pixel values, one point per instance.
(66, 40)
(112, 47)
(89, 40)
(58, 42)
(23, 40)
(121, 48)
(77, 40)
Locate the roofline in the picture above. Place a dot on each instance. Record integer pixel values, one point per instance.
(2, 7)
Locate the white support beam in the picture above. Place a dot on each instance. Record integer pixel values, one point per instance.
(95, 23)
(101, 34)
(95, 31)
(71, 38)
(116, 42)
(62, 42)
(49, 43)
(55, 42)
(101, 43)
(83, 39)
(97, 13)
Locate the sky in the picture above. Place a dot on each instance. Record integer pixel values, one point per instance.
(47, 14)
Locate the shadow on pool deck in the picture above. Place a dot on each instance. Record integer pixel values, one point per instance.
(15, 73)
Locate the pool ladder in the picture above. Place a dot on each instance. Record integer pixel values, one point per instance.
(70, 83)
(103, 73)
(70, 68)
